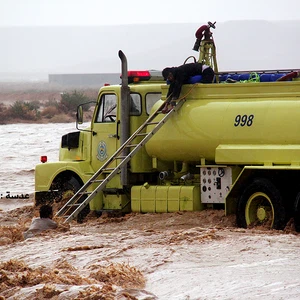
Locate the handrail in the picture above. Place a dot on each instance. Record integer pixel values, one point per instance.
(258, 71)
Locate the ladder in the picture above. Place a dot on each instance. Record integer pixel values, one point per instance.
(83, 197)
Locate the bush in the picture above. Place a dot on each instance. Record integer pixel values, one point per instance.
(33, 105)
(50, 111)
(52, 102)
(70, 102)
(3, 113)
(24, 110)
(17, 109)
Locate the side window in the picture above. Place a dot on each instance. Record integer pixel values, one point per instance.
(135, 104)
(151, 99)
(108, 109)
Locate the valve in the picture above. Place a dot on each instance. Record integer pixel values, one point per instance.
(165, 175)
(203, 30)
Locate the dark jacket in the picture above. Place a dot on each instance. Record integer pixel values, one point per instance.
(182, 75)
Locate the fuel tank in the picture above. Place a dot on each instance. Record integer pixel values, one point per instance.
(251, 123)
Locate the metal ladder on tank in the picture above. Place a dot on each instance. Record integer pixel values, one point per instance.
(79, 200)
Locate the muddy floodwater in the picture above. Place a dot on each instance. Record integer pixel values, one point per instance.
(184, 255)
(21, 148)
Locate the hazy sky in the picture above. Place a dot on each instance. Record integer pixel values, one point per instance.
(115, 12)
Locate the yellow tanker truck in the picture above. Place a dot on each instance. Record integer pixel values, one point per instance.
(233, 145)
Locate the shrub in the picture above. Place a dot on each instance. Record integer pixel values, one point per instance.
(70, 101)
(50, 111)
(52, 102)
(17, 109)
(33, 105)
(24, 110)
(3, 113)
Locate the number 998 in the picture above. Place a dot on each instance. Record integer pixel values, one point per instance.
(243, 120)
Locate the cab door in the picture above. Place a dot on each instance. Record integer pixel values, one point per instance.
(105, 130)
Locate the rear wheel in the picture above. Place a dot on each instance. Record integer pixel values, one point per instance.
(261, 204)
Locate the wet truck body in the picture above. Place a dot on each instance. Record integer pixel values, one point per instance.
(233, 144)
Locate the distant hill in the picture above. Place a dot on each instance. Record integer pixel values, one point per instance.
(241, 45)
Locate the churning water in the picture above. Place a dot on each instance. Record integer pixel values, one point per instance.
(21, 148)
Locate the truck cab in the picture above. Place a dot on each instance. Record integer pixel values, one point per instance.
(84, 151)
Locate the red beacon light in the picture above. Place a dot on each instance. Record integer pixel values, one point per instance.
(44, 158)
(137, 76)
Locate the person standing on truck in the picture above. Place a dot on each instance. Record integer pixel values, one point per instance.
(42, 223)
(177, 76)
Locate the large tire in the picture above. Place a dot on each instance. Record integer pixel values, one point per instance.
(261, 204)
(297, 213)
(67, 190)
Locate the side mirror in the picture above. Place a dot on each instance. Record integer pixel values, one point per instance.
(79, 115)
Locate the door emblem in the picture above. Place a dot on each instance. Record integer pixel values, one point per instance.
(102, 151)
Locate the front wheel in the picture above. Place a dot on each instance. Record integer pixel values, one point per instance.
(67, 189)
(261, 204)
(297, 213)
